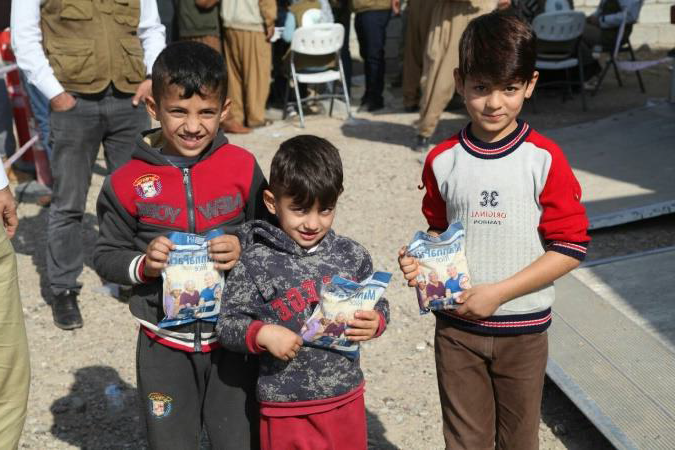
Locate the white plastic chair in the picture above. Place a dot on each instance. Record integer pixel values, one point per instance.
(317, 40)
(565, 28)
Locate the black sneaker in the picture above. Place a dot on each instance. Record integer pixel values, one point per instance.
(65, 311)
(375, 105)
(421, 144)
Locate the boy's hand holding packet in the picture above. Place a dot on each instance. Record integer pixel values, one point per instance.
(436, 266)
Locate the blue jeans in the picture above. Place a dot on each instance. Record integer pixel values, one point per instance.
(108, 118)
(7, 141)
(371, 31)
(39, 104)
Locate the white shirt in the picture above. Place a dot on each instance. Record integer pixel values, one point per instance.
(31, 58)
(3, 178)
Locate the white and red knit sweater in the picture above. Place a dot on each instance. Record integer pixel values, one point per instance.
(516, 198)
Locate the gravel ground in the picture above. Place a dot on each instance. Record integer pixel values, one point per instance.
(380, 208)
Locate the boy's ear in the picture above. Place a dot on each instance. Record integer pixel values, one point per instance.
(270, 203)
(226, 109)
(531, 84)
(459, 83)
(151, 107)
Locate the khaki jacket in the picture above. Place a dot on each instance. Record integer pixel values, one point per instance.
(90, 44)
(369, 5)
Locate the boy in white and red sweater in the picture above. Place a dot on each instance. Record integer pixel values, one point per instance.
(520, 204)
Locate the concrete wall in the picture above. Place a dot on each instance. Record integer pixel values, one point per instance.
(653, 28)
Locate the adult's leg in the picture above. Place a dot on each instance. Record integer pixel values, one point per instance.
(230, 408)
(518, 371)
(7, 141)
(14, 361)
(212, 41)
(417, 29)
(371, 28)
(124, 123)
(169, 395)
(343, 16)
(235, 74)
(257, 71)
(39, 104)
(465, 388)
(449, 19)
(76, 135)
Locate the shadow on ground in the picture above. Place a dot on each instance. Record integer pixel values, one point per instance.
(31, 239)
(88, 418)
(376, 431)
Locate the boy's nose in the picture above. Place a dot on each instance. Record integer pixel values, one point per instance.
(192, 124)
(312, 222)
(493, 100)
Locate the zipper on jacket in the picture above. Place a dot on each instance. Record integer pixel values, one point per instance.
(190, 200)
(198, 336)
(192, 227)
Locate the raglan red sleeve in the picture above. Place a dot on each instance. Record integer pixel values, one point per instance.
(433, 204)
(563, 223)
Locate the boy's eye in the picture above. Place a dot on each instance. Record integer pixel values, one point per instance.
(479, 88)
(511, 88)
(326, 211)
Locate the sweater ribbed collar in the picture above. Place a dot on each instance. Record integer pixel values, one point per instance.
(493, 150)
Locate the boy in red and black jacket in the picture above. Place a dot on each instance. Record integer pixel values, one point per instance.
(183, 177)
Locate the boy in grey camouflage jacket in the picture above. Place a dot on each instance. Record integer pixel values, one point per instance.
(309, 397)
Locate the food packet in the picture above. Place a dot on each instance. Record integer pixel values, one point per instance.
(192, 286)
(444, 272)
(340, 299)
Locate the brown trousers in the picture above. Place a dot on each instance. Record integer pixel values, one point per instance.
(448, 21)
(211, 40)
(249, 64)
(417, 29)
(14, 361)
(490, 388)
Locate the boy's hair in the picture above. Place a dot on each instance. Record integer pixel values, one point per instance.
(194, 66)
(498, 48)
(307, 168)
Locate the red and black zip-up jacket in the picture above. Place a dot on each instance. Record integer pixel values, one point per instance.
(149, 197)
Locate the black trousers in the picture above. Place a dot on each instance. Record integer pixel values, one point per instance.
(371, 31)
(181, 391)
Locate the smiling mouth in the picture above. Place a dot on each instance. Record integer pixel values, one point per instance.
(191, 139)
(308, 236)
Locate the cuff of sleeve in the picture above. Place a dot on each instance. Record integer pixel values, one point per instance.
(382, 326)
(137, 269)
(251, 335)
(576, 250)
(50, 87)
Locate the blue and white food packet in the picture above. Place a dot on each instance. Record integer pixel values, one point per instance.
(340, 299)
(444, 272)
(192, 286)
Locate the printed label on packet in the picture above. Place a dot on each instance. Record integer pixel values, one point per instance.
(444, 272)
(192, 286)
(340, 299)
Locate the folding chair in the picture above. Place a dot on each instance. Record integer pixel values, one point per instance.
(621, 45)
(322, 39)
(564, 29)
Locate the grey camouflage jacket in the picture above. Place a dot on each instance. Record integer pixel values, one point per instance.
(278, 282)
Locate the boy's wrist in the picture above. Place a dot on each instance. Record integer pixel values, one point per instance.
(253, 337)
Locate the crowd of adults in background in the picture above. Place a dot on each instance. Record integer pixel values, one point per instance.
(86, 70)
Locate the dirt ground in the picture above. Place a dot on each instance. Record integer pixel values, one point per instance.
(380, 208)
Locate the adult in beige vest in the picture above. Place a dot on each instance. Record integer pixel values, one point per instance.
(92, 60)
(449, 18)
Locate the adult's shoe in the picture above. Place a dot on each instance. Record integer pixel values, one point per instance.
(231, 126)
(375, 105)
(65, 311)
(421, 144)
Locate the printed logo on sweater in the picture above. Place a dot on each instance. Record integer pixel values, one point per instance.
(148, 186)
(158, 212)
(486, 215)
(221, 206)
(159, 405)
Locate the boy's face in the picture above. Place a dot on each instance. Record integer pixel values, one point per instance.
(493, 108)
(188, 124)
(305, 226)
